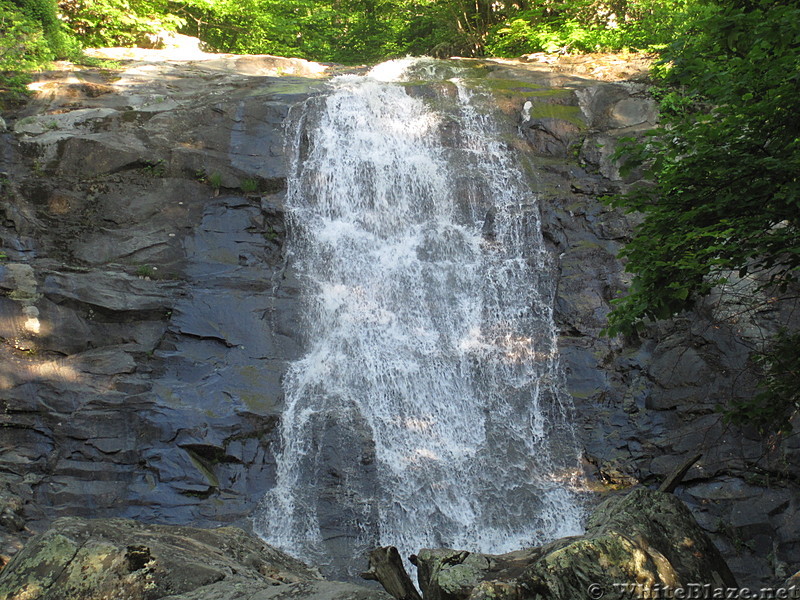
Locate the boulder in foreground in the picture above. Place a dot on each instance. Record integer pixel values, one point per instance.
(100, 559)
(644, 538)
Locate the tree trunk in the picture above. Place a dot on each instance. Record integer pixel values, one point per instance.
(386, 567)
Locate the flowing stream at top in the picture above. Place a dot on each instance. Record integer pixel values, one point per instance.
(427, 410)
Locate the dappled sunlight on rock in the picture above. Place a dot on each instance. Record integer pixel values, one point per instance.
(627, 546)
(54, 370)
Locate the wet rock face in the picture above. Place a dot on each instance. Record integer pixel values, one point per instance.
(148, 310)
(80, 559)
(645, 405)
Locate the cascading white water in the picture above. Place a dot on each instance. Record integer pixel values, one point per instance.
(427, 410)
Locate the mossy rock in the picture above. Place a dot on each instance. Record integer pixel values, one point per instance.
(526, 88)
(83, 559)
(564, 112)
(642, 537)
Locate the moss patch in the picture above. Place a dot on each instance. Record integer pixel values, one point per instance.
(571, 114)
(454, 578)
(37, 570)
(516, 86)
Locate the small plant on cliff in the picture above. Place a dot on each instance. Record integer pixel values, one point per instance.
(215, 180)
(146, 271)
(249, 186)
(156, 169)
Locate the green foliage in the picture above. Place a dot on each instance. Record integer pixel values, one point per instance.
(346, 31)
(725, 194)
(583, 26)
(44, 13)
(523, 36)
(250, 26)
(62, 43)
(22, 41)
(31, 35)
(725, 165)
(117, 22)
(249, 186)
(434, 28)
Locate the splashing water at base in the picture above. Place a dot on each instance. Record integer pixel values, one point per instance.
(427, 410)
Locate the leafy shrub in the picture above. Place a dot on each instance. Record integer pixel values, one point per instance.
(725, 188)
(30, 37)
(118, 22)
(347, 31)
(523, 35)
(22, 42)
(580, 26)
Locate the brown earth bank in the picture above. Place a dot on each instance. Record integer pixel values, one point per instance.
(148, 311)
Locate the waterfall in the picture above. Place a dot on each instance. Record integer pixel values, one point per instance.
(427, 410)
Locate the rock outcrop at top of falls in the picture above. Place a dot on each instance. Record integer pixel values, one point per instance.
(147, 313)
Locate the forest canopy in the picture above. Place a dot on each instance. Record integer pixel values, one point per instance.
(345, 31)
